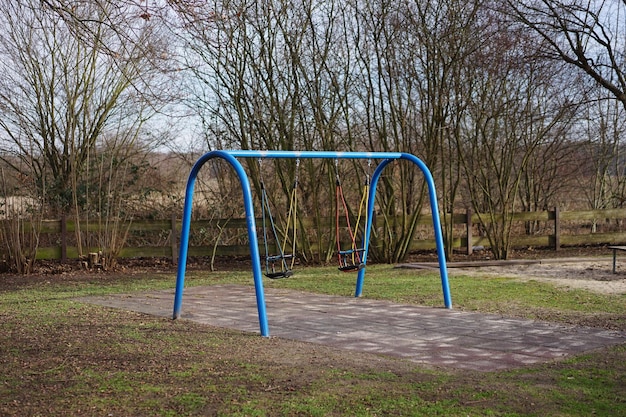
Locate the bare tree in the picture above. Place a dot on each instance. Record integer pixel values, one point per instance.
(517, 111)
(588, 35)
(270, 75)
(387, 116)
(414, 91)
(63, 91)
(451, 35)
(601, 154)
(452, 82)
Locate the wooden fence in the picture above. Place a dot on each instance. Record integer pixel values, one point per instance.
(557, 229)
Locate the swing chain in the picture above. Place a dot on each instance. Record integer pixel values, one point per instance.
(337, 182)
(296, 175)
(262, 182)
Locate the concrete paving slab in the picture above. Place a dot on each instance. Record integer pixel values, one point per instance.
(434, 336)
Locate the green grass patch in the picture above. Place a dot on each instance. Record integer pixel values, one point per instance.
(63, 357)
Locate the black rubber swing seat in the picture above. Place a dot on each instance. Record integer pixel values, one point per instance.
(278, 275)
(350, 268)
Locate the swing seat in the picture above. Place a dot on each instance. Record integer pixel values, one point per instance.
(285, 272)
(345, 266)
(349, 268)
(279, 275)
(352, 267)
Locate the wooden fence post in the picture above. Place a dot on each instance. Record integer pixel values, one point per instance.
(557, 229)
(173, 240)
(63, 238)
(468, 231)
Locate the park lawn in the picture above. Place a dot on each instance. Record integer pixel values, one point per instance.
(63, 357)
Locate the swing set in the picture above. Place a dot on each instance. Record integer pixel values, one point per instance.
(351, 259)
(280, 265)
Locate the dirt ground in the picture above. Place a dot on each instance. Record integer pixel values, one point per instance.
(586, 267)
(590, 274)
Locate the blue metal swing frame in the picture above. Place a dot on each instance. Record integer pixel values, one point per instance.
(231, 158)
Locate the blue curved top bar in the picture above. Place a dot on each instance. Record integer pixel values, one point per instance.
(316, 154)
(231, 157)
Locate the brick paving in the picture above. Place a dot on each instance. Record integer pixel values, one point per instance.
(434, 336)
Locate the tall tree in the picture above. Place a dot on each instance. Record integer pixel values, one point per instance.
(271, 75)
(63, 89)
(517, 111)
(601, 154)
(451, 35)
(76, 80)
(589, 35)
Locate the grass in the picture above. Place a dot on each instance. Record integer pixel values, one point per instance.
(61, 357)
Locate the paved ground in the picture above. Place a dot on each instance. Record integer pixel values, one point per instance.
(434, 336)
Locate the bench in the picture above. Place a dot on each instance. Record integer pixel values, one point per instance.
(615, 249)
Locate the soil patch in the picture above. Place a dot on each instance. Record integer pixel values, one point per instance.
(589, 274)
(589, 268)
